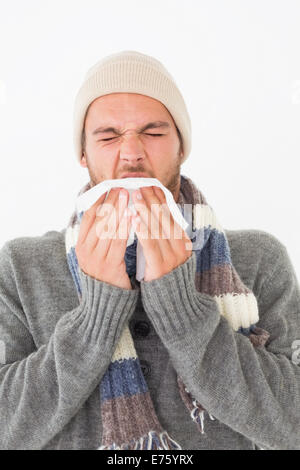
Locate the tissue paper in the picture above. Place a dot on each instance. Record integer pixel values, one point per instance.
(87, 199)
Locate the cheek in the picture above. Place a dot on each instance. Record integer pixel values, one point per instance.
(166, 148)
(99, 151)
(161, 146)
(100, 161)
(170, 144)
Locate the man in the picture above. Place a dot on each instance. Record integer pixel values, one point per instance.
(153, 152)
(202, 354)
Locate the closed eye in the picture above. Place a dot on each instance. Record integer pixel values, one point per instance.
(111, 138)
(155, 135)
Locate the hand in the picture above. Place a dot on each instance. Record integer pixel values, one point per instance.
(100, 252)
(165, 244)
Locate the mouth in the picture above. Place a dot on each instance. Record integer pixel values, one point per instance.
(134, 175)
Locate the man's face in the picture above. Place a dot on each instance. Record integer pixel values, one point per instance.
(153, 152)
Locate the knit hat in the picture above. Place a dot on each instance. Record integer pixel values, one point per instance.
(131, 72)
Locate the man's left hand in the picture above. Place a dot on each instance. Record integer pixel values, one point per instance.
(165, 244)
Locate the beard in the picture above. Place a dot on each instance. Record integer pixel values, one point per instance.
(171, 180)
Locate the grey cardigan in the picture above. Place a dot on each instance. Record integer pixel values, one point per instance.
(54, 350)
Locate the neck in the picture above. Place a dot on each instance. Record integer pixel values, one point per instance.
(176, 194)
(175, 190)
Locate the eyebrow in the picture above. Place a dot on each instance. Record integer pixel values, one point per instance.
(150, 125)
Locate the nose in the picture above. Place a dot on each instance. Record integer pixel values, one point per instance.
(131, 148)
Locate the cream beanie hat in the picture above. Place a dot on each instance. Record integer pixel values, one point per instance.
(131, 72)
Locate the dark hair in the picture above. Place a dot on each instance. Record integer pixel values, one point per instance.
(180, 140)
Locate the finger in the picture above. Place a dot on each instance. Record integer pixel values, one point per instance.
(156, 215)
(152, 247)
(107, 227)
(109, 231)
(159, 194)
(102, 212)
(170, 228)
(163, 227)
(184, 242)
(121, 210)
(88, 219)
(116, 249)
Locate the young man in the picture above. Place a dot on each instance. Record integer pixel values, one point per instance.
(202, 353)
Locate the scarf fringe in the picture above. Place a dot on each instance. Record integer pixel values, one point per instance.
(151, 440)
(197, 415)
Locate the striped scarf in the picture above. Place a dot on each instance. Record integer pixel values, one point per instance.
(128, 416)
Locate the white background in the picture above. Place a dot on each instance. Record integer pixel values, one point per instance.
(236, 63)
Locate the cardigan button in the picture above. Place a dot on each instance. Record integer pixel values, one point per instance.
(141, 328)
(145, 366)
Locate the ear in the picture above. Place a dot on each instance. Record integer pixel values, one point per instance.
(83, 161)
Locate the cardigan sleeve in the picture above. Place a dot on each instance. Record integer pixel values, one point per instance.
(254, 390)
(42, 389)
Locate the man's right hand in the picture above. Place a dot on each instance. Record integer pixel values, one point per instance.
(102, 239)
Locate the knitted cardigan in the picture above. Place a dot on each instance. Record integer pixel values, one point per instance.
(128, 415)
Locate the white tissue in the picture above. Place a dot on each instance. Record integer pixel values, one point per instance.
(87, 199)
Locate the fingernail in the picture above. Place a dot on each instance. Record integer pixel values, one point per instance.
(138, 195)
